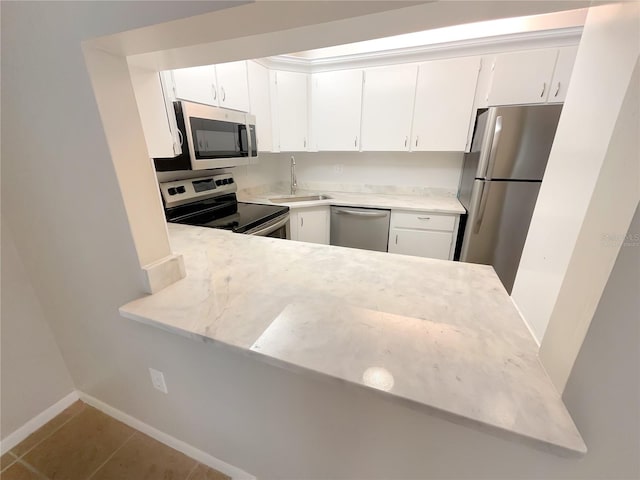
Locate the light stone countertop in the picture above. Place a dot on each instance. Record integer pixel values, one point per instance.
(434, 201)
(438, 335)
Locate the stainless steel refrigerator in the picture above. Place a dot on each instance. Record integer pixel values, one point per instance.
(500, 181)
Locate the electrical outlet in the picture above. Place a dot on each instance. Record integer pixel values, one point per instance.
(157, 378)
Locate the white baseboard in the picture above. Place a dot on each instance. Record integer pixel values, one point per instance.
(190, 451)
(36, 422)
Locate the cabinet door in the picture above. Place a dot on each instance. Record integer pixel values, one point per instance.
(522, 77)
(260, 104)
(313, 225)
(444, 104)
(337, 109)
(420, 243)
(233, 89)
(387, 107)
(291, 99)
(196, 84)
(562, 74)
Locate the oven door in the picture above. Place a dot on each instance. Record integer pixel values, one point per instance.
(276, 228)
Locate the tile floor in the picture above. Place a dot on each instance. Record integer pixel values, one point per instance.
(83, 443)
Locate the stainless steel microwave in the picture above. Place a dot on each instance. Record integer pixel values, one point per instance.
(211, 137)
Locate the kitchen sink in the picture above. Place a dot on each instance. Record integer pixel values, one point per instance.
(296, 198)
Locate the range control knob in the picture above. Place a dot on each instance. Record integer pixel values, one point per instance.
(218, 182)
(225, 181)
(172, 191)
(230, 181)
(181, 189)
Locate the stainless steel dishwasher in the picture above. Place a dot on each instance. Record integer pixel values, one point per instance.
(365, 228)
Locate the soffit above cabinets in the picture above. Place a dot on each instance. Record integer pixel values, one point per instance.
(482, 38)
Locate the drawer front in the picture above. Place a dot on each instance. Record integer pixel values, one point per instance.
(423, 221)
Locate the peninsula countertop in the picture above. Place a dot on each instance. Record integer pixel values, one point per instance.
(443, 336)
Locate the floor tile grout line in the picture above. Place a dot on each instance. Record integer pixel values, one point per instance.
(193, 469)
(18, 457)
(112, 455)
(14, 459)
(31, 468)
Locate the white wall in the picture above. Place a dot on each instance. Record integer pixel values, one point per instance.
(347, 171)
(591, 188)
(71, 230)
(400, 169)
(34, 376)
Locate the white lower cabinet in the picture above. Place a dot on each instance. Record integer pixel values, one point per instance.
(310, 224)
(423, 234)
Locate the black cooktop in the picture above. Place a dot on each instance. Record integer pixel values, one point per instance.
(225, 212)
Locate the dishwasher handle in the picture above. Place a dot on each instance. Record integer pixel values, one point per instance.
(361, 213)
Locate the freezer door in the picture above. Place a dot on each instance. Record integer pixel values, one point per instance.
(497, 226)
(519, 141)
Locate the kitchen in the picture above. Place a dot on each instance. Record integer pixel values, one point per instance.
(418, 98)
(283, 169)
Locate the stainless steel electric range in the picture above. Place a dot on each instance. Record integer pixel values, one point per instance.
(211, 202)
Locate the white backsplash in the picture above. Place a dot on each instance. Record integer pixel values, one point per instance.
(406, 173)
(393, 173)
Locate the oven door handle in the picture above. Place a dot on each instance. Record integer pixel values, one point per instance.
(263, 232)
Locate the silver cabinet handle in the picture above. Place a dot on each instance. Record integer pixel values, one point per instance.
(557, 90)
(406, 139)
(215, 92)
(424, 218)
(355, 143)
(224, 95)
(361, 213)
(396, 238)
(544, 87)
(180, 137)
(305, 143)
(301, 221)
(417, 138)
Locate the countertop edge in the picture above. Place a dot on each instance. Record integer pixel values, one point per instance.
(337, 201)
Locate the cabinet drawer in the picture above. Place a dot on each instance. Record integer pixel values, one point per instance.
(423, 221)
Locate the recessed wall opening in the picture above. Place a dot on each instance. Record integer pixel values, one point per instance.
(123, 65)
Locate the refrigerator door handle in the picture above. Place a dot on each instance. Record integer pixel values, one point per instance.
(494, 147)
(481, 206)
(487, 142)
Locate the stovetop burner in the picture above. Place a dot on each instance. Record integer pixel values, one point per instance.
(186, 202)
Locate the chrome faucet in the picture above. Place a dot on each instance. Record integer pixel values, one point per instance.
(294, 182)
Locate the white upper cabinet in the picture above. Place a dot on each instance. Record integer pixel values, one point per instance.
(444, 104)
(290, 112)
(233, 89)
(224, 85)
(387, 107)
(196, 84)
(562, 74)
(522, 77)
(260, 104)
(337, 110)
